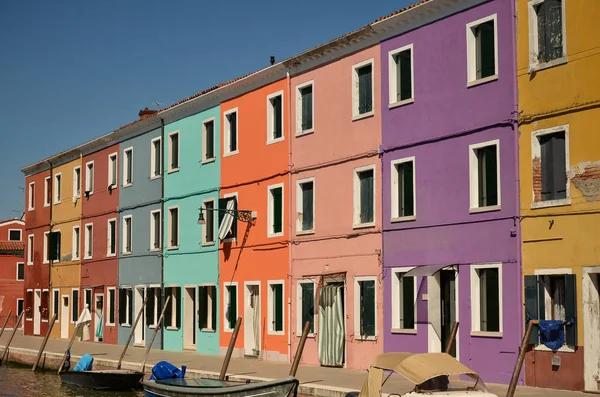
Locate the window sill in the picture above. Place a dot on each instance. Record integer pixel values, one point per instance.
(272, 235)
(75, 258)
(304, 232)
(310, 335)
(57, 202)
(484, 209)
(272, 141)
(110, 324)
(402, 103)
(363, 225)
(44, 321)
(403, 218)
(31, 209)
(208, 161)
(366, 338)
(45, 205)
(154, 249)
(229, 240)
(536, 67)
(153, 326)
(227, 154)
(207, 243)
(29, 263)
(87, 257)
(126, 325)
(482, 81)
(563, 349)
(45, 262)
(171, 328)
(408, 331)
(486, 334)
(20, 280)
(111, 255)
(209, 330)
(363, 115)
(551, 203)
(172, 248)
(276, 332)
(172, 170)
(127, 185)
(126, 253)
(305, 132)
(153, 177)
(29, 319)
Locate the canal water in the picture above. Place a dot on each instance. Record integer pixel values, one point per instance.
(18, 381)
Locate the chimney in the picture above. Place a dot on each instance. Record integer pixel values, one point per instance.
(144, 114)
(272, 60)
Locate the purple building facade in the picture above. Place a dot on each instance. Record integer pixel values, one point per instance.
(451, 235)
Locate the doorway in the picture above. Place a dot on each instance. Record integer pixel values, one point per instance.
(64, 317)
(591, 324)
(252, 319)
(140, 293)
(37, 301)
(447, 307)
(99, 317)
(189, 318)
(332, 325)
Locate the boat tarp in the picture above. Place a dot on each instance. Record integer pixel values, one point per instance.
(85, 363)
(417, 368)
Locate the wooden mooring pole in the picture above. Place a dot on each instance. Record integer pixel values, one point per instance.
(300, 349)
(227, 359)
(37, 360)
(15, 328)
(5, 322)
(452, 337)
(77, 327)
(137, 319)
(158, 325)
(512, 386)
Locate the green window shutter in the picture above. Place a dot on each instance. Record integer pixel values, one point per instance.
(559, 172)
(177, 307)
(308, 303)
(122, 306)
(404, 78)
(365, 84)
(547, 167)
(203, 309)
(75, 306)
(366, 196)
(571, 309)
(408, 302)
(531, 305)
(169, 309)
(278, 122)
(278, 306)
(307, 206)
(541, 27)
(550, 30)
(234, 226)
(150, 307)
(130, 300)
(307, 104)
(232, 131)
(111, 306)
(486, 54)
(232, 306)
(492, 301)
(367, 292)
(491, 173)
(277, 209)
(214, 312)
(406, 193)
(54, 246)
(209, 150)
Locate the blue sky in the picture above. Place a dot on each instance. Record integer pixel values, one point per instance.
(71, 71)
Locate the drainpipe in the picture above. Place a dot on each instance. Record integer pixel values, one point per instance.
(50, 223)
(291, 191)
(162, 211)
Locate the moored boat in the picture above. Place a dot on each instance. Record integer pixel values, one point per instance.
(113, 380)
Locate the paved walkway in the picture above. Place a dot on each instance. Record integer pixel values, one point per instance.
(317, 381)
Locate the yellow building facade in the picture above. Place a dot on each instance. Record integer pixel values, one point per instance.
(558, 66)
(65, 274)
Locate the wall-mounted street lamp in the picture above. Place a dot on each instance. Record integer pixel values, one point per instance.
(241, 215)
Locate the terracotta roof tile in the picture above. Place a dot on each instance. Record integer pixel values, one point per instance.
(11, 246)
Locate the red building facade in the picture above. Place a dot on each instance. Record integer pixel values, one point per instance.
(12, 270)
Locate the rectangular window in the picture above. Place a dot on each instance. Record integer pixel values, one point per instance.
(305, 206)
(489, 300)
(112, 170)
(546, 40)
(127, 234)
(224, 204)
(208, 134)
(55, 302)
(173, 227)
(57, 188)
(231, 132)
(89, 241)
(484, 172)
(128, 168)
(401, 75)
(46, 243)
(87, 298)
(125, 306)
(306, 301)
(404, 301)
(275, 210)
(156, 158)
(47, 191)
(482, 50)
(77, 182)
(231, 312)
(89, 178)
(155, 230)
(173, 151)
(276, 307)
(110, 320)
(111, 236)
(172, 318)
(364, 303)
(553, 166)
(74, 305)
(14, 235)
(76, 243)
(153, 306)
(304, 108)
(208, 235)
(403, 189)
(364, 196)
(362, 92)
(31, 196)
(20, 271)
(30, 249)
(20, 306)
(208, 308)
(275, 117)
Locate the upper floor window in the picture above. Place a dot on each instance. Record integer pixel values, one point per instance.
(89, 241)
(275, 117)
(173, 151)
(128, 168)
(401, 76)
(231, 132)
(482, 50)
(484, 172)
(14, 235)
(275, 205)
(404, 301)
(208, 234)
(112, 170)
(30, 251)
(173, 227)
(31, 196)
(57, 188)
(48, 191)
(365, 307)
(227, 223)
(403, 189)
(208, 140)
(304, 108)
(364, 196)
(77, 182)
(547, 33)
(89, 178)
(362, 89)
(111, 238)
(155, 230)
(156, 158)
(486, 298)
(127, 234)
(550, 162)
(305, 206)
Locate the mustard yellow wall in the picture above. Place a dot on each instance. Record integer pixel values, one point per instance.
(56, 331)
(564, 94)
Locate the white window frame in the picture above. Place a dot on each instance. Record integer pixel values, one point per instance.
(30, 249)
(299, 206)
(111, 157)
(15, 230)
(17, 269)
(108, 238)
(204, 140)
(157, 309)
(299, 297)
(46, 236)
(237, 199)
(55, 291)
(128, 303)
(169, 233)
(77, 182)
(357, 335)
(396, 326)
(115, 308)
(474, 177)
(299, 87)
(393, 76)
(271, 210)
(536, 151)
(47, 291)
(209, 311)
(175, 306)
(31, 197)
(215, 222)
(472, 79)
(57, 190)
(85, 302)
(153, 175)
(170, 153)
(17, 309)
(47, 198)
(394, 183)
(271, 118)
(271, 307)
(127, 157)
(355, 94)
(89, 185)
(89, 229)
(226, 303)
(227, 129)
(76, 242)
(127, 230)
(356, 193)
(476, 299)
(153, 231)
(534, 65)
